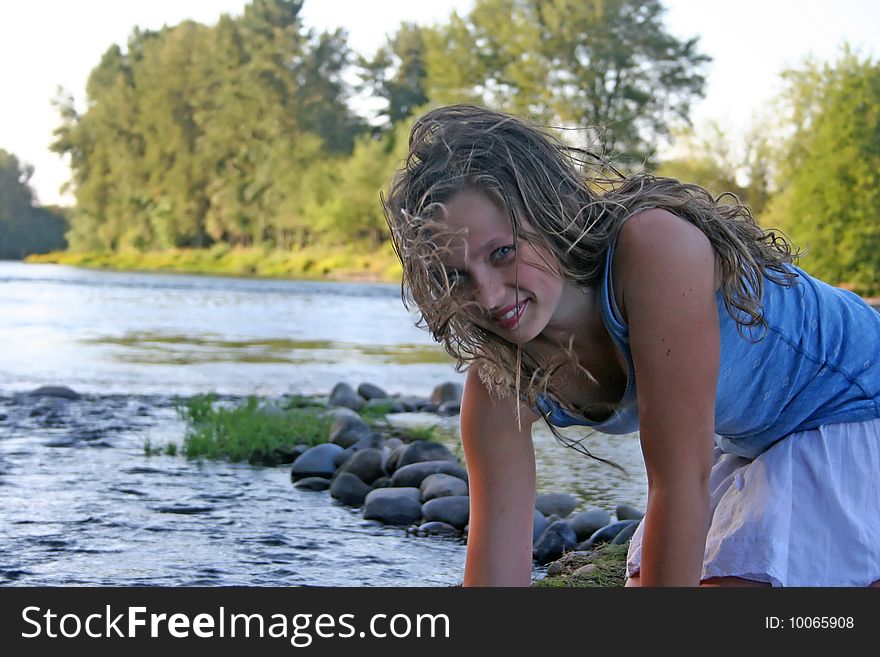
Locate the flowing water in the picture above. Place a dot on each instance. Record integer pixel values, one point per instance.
(81, 503)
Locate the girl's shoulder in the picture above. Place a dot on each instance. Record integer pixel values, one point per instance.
(662, 243)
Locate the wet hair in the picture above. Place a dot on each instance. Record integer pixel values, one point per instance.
(569, 204)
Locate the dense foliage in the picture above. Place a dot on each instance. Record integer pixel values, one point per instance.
(829, 170)
(24, 227)
(244, 132)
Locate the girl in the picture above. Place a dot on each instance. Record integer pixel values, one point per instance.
(640, 303)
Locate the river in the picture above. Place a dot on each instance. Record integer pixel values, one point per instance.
(81, 503)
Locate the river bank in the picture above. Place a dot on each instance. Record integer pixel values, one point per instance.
(317, 263)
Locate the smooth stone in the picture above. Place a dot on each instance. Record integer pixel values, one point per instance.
(410, 404)
(626, 533)
(585, 523)
(446, 392)
(414, 473)
(555, 540)
(394, 457)
(370, 391)
(430, 407)
(628, 512)
(344, 395)
(349, 489)
(425, 450)
(561, 504)
(564, 562)
(449, 408)
(606, 533)
(366, 464)
(454, 509)
(318, 461)
(347, 430)
(437, 528)
(55, 391)
(442, 485)
(313, 483)
(392, 405)
(394, 506)
(382, 482)
(539, 524)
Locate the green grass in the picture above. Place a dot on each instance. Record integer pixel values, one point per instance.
(609, 568)
(249, 430)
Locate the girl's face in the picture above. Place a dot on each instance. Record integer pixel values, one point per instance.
(487, 264)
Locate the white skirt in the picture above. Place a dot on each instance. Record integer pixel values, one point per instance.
(806, 512)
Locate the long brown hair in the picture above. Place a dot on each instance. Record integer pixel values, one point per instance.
(568, 203)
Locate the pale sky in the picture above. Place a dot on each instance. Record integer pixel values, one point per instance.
(47, 43)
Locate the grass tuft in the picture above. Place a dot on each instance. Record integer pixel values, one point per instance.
(249, 430)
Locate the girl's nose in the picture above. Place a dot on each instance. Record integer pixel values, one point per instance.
(488, 291)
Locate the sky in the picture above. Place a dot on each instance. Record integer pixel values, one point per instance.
(45, 44)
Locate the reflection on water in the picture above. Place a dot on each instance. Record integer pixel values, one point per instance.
(158, 348)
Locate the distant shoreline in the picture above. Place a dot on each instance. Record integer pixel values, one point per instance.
(313, 263)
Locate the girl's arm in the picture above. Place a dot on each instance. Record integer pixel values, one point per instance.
(501, 472)
(665, 268)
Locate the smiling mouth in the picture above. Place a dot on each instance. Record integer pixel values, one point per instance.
(511, 318)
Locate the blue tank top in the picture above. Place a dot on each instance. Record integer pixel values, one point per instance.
(816, 362)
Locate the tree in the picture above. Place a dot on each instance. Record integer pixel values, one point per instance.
(397, 73)
(829, 170)
(24, 228)
(608, 65)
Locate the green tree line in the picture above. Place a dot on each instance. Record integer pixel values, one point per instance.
(245, 132)
(252, 131)
(25, 228)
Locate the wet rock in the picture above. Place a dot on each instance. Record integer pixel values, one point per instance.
(454, 510)
(349, 489)
(626, 533)
(627, 512)
(555, 540)
(348, 429)
(539, 524)
(449, 408)
(442, 485)
(561, 504)
(446, 392)
(387, 404)
(410, 404)
(366, 464)
(382, 482)
(394, 457)
(344, 395)
(436, 528)
(317, 461)
(55, 391)
(606, 534)
(394, 506)
(419, 451)
(313, 483)
(585, 523)
(430, 407)
(369, 391)
(414, 473)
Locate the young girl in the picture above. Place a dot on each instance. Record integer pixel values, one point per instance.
(640, 303)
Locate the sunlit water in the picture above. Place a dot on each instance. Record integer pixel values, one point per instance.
(81, 504)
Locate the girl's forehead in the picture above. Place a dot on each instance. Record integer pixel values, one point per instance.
(473, 213)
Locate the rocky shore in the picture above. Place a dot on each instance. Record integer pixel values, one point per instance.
(395, 479)
(423, 486)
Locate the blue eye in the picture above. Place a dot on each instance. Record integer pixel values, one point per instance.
(502, 253)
